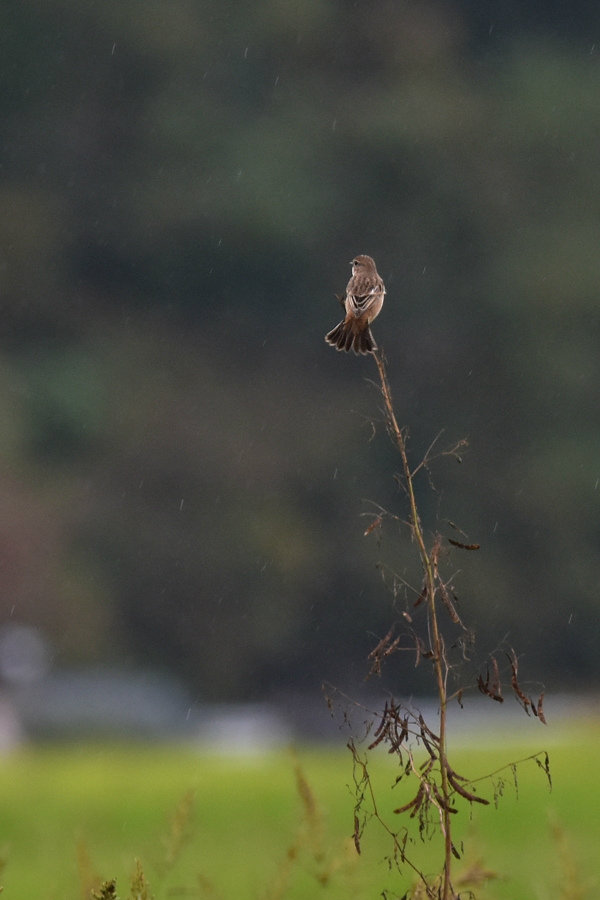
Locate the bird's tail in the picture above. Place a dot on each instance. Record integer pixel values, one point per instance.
(344, 337)
(364, 342)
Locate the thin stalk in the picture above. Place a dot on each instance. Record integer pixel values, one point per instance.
(436, 641)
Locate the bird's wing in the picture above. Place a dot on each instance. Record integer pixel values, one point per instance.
(358, 304)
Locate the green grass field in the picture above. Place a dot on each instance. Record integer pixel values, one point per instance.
(70, 812)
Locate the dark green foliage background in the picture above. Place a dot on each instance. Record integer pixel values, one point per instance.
(183, 461)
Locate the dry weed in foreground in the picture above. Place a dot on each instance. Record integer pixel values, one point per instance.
(310, 848)
(310, 851)
(439, 638)
(88, 879)
(139, 888)
(572, 885)
(178, 834)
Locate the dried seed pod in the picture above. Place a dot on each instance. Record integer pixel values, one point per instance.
(356, 834)
(540, 710)
(373, 525)
(464, 546)
(414, 804)
(441, 802)
(450, 608)
(472, 798)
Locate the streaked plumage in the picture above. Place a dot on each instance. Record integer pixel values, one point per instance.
(363, 301)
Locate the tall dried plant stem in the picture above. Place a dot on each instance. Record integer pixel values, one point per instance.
(437, 646)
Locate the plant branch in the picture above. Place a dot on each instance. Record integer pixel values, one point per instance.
(429, 564)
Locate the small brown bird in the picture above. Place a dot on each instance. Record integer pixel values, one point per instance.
(363, 302)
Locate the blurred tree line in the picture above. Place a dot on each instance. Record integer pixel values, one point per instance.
(184, 462)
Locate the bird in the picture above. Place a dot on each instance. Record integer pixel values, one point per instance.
(362, 301)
